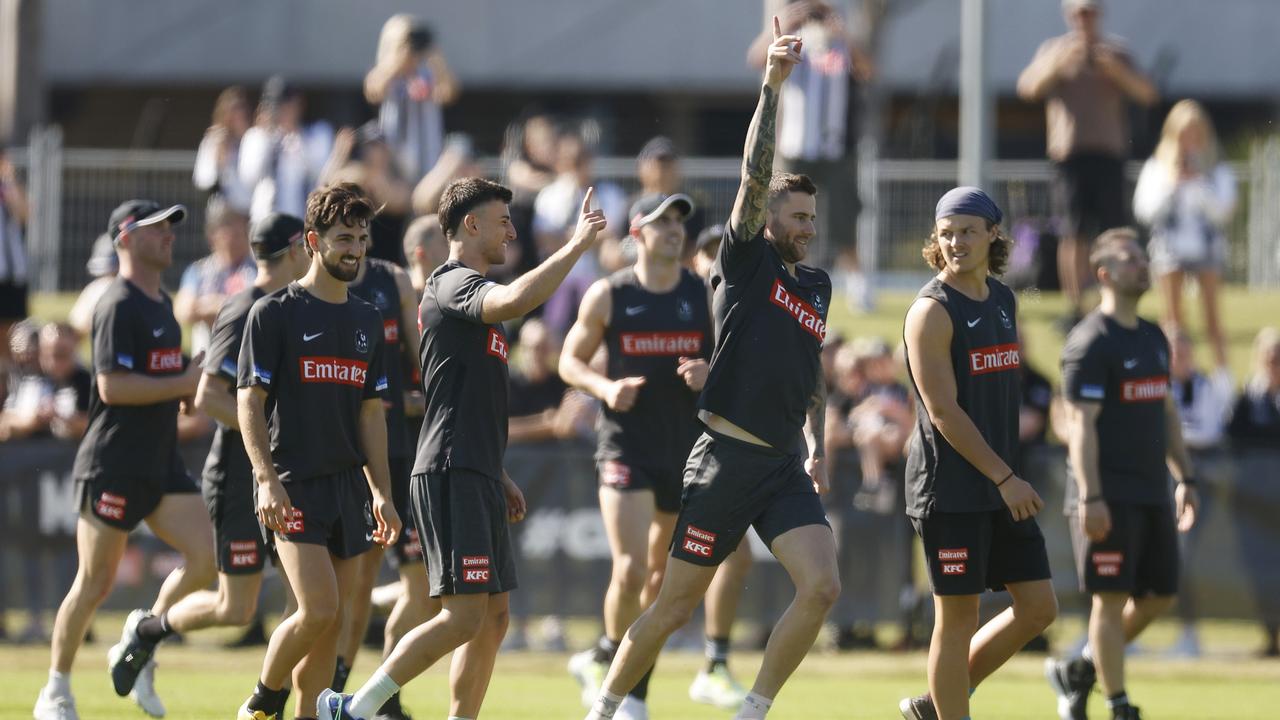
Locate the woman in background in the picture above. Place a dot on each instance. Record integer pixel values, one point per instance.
(217, 169)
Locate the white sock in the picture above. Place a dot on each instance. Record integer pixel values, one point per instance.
(1087, 653)
(754, 707)
(369, 698)
(59, 683)
(459, 717)
(605, 706)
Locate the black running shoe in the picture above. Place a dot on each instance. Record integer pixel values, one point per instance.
(1126, 712)
(391, 710)
(127, 657)
(918, 708)
(1072, 681)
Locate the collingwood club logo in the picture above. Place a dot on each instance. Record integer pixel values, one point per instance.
(362, 341)
(684, 310)
(1004, 319)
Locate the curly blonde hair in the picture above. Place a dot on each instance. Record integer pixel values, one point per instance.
(997, 255)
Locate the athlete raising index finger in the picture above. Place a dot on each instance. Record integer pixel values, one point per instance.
(763, 394)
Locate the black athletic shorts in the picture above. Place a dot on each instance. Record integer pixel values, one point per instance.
(1139, 556)
(331, 510)
(461, 518)
(730, 486)
(407, 549)
(1089, 195)
(13, 302)
(122, 502)
(976, 551)
(237, 535)
(625, 476)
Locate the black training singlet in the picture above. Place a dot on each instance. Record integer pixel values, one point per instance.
(769, 331)
(227, 457)
(647, 335)
(987, 363)
(378, 287)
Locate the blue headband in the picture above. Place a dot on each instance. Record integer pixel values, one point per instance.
(968, 201)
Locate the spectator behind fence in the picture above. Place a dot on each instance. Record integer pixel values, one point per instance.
(21, 345)
(362, 156)
(528, 166)
(13, 251)
(705, 249)
(410, 83)
(54, 399)
(658, 170)
(225, 271)
(1186, 195)
(1033, 414)
(280, 158)
(1085, 80)
(217, 169)
(103, 264)
(425, 248)
(1255, 424)
(542, 406)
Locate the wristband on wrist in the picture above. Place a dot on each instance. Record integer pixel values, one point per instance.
(1006, 479)
(1092, 499)
(1188, 481)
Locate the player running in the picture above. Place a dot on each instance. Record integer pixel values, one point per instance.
(228, 476)
(311, 414)
(1122, 432)
(763, 393)
(387, 287)
(140, 381)
(654, 319)
(973, 514)
(462, 498)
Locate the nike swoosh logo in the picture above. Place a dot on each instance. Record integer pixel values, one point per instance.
(157, 332)
(1130, 364)
(308, 338)
(972, 323)
(368, 537)
(635, 310)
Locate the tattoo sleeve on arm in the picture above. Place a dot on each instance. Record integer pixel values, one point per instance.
(816, 421)
(757, 167)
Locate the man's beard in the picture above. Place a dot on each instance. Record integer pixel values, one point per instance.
(339, 271)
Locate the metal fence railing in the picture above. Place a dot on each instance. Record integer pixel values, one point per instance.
(75, 189)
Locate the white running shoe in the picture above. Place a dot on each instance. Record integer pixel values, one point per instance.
(55, 707)
(144, 691)
(589, 674)
(717, 688)
(632, 708)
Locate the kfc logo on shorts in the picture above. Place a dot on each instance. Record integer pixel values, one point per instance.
(340, 371)
(475, 569)
(802, 311)
(294, 524)
(616, 475)
(994, 359)
(1152, 389)
(166, 360)
(953, 560)
(497, 345)
(698, 541)
(391, 330)
(244, 553)
(110, 506)
(1107, 564)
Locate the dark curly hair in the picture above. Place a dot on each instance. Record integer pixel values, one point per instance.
(464, 195)
(997, 255)
(344, 203)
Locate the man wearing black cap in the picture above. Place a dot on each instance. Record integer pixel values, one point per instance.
(974, 515)
(140, 380)
(762, 398)
(228, 476)
(654, 320)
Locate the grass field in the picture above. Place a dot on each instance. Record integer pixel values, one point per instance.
(201, 681)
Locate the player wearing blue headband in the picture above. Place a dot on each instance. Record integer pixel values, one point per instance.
(973, 513)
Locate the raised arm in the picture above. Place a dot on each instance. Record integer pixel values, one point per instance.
(928, 335)
(508, 302)
(757, 160)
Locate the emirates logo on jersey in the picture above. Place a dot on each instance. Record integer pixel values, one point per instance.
(165, 360)
(802, 311)
(497, 345)
(661, 343)
(1142, 390)
(391, 330)
(994, 358)
(339, 371)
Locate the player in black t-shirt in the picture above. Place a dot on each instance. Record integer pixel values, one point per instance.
(310, 408)
(388, 288)
(1123, 438)
(974, 515)
(763, 394)
(653, 319)
(127, 468)
(462, 499)
(228, 476)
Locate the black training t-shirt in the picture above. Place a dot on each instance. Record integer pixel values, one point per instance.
(464, 374)
(227, 457)
(987, 363)
(378, 287)
(1127, 371)
(132, 333)
(318, 362)
(769, 329)
(647, 335)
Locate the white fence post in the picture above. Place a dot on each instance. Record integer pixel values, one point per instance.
(44, 231)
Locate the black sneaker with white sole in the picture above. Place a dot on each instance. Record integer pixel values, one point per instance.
(1072, 681)
(918, 708)
(127, 657)
(1126, 712)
